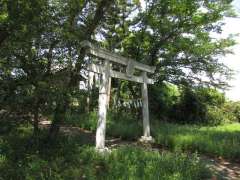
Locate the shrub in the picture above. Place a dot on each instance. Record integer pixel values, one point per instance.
(187, 104)
(190, 108)
(87, 121)
(232, 109)
(162, 98)
(216, 116)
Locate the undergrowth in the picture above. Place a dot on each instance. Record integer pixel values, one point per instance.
(23, 156)
(223, 140)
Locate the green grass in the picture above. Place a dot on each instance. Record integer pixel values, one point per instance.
(73, 157)
(221, 140)
(122, 125)
(85, 121)
(23, 157)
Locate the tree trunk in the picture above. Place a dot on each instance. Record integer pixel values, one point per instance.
(59, 116)
(62, 105)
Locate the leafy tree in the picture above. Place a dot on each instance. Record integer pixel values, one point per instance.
(164, 97)
(41, 54)
(176, 37)
(43, 49)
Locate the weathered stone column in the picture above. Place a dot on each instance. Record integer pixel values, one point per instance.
(90, 87)
(102, 107)
(146, 125)
(109, 91)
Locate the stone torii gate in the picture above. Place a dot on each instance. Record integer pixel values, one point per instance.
(106, 74)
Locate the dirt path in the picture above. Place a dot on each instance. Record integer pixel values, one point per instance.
(222, 169)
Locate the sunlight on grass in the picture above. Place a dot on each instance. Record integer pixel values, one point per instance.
(235, 127)
(222, 140)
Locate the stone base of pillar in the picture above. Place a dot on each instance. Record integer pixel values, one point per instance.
(147, 139)
(103, 151)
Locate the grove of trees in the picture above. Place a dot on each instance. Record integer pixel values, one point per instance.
(41, 56)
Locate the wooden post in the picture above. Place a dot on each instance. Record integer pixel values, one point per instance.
(146, 125)
(102, 107)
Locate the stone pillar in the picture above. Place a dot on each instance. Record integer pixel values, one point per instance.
(102, 107)
(90, 87)
(109, 91)
(145, 112)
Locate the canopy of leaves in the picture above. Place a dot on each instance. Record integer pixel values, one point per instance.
(175, 36)
(41, 57)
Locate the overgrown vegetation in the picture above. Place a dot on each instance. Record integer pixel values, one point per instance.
(197, 105)
(220, 141)
(125, 125)
(67, 158)
(42, 62)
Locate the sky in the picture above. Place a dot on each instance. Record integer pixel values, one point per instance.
(232, 26)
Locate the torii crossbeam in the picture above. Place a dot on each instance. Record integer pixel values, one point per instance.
(106, 72)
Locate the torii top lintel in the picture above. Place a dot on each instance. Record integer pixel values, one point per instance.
(102, 53)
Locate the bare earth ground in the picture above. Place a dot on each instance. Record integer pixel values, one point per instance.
(221, 168)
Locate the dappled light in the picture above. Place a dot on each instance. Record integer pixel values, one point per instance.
(125, 89)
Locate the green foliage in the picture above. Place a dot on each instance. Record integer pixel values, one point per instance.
(216, 141)
(124, 125)
(68, 159)
(153, 31)
(232, 111)
(205, 105)
(139, 164)
(86, 121)
(191, 108)
(190, 105)
(211, 96)
(163, 97)
(217, 116)
(118, 124)
(41, 56)
(40, 63)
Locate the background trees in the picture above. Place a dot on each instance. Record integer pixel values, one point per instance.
(41, 57)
